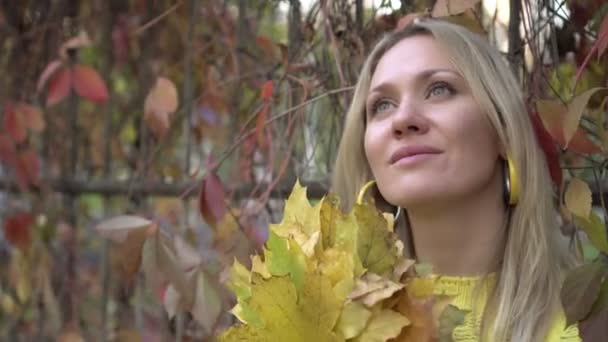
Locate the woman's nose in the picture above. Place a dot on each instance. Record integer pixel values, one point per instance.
(408, 120)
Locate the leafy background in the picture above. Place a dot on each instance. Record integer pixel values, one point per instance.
(195, 118)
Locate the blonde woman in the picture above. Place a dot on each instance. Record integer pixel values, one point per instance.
(439, 123)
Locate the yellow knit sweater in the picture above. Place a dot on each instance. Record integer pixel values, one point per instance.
(472, 295)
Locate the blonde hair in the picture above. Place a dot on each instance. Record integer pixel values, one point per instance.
(526, 297)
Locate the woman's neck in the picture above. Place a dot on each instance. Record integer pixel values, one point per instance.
(463, 238)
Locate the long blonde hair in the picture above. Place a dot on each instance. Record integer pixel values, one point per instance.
(526, 297)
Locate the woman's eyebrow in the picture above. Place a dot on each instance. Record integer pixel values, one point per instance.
(421, 76)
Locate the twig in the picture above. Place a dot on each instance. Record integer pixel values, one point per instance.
(153, 21)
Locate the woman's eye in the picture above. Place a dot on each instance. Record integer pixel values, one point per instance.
(440, 89)
(381, 106)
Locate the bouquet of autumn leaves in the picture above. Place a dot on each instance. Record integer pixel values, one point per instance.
(330, 276)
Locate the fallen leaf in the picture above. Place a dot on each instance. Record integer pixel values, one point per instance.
(88, 84)
(385, 325)
(290, 315)
(160, 103)
(353, 319)
(375, 244)
(578, 198)
(580, 290)
(285, 257)
(371, 289)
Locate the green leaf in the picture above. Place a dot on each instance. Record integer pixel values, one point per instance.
(578, 198)
(245, 314)
(353, 319)
(284, 257)
(595, 230)
(240, 283)
(450, 318)
(580, 290)
(383, 326)
(375, 244)
(575, 111)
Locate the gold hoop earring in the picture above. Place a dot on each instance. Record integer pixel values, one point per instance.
(364, 189)
(511, 182)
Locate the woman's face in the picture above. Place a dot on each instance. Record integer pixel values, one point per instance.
(427, 140)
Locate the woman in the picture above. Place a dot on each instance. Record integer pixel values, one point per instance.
(438, 121)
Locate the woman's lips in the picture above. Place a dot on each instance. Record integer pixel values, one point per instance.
(413, 154)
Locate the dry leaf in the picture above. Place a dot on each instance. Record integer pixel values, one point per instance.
(117, 228)
(444, 8)
(578, 198)
(160, 104)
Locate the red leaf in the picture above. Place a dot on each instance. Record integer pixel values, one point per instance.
(47, 73)
(89, 84)
(602, 37)
(268, 46)
(549, 148)
(267, 90)
(552, 115)
(17, 230)
(212, 199)
(59, 87)
(27, 168)
(582, 144)
(31, 117)
(13, 124)
(7, 149)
